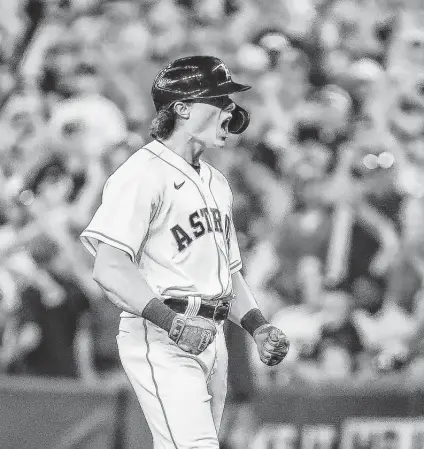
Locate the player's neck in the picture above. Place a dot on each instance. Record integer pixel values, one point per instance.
(185, 146)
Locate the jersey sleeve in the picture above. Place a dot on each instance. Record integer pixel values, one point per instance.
(235, 257)
(234, 251)
(129, 201)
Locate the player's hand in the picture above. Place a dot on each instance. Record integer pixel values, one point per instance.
(273, 345)
(192, 335)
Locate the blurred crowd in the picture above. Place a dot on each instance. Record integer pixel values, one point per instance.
(328, 179)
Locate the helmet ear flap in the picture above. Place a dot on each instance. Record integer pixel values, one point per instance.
(239, 121)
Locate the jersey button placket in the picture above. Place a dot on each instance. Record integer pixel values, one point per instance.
(208, 200)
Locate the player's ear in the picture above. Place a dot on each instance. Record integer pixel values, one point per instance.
(182, 109)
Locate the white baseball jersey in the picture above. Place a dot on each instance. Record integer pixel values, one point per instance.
(175, 224)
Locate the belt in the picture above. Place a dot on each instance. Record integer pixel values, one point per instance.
(217, 311)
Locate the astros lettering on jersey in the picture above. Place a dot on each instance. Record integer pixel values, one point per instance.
(175, 224)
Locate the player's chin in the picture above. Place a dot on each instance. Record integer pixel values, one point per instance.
(220, 141)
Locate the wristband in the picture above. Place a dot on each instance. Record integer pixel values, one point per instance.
(159, 313)
(253, 320)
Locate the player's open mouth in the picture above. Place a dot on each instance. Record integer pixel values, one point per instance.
(224, 125)
(224, 129)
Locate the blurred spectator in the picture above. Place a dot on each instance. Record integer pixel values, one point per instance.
(327, 179)
(57, 319)
(340, 345)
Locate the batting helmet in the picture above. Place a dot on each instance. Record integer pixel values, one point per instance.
(198, 77)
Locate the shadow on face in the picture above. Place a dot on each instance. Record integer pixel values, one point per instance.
(208, 123)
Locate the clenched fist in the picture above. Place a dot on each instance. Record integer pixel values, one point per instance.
(272, 344)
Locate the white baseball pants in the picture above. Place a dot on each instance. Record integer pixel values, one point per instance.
(182, 395)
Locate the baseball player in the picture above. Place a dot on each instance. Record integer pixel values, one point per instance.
(166, 253)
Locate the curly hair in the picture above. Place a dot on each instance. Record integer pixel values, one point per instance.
(163, 124)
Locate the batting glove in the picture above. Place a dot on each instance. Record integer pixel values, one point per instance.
(192, 335)
(272, 344)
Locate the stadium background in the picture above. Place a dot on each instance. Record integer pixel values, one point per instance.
(329, 208)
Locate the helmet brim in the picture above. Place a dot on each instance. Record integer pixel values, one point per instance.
(225, 89)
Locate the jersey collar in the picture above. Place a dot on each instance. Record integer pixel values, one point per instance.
(173, 159)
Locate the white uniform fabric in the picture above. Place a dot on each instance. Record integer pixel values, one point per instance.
(176, 225)
(182, 395)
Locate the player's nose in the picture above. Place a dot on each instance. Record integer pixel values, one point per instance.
(227, 112)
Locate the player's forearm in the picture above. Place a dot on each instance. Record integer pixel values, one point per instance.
(121, 281)
(244, 309)
(119, 302)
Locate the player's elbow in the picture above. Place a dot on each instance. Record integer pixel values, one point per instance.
(102, 269)
(107, 264)
(103, 273)
(99, 274)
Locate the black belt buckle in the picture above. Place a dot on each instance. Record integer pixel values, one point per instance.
(222, 309)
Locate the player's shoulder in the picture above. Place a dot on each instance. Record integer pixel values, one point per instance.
(142, 163)
(141, 168)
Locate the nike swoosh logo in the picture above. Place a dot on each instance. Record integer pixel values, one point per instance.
(178, 186)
